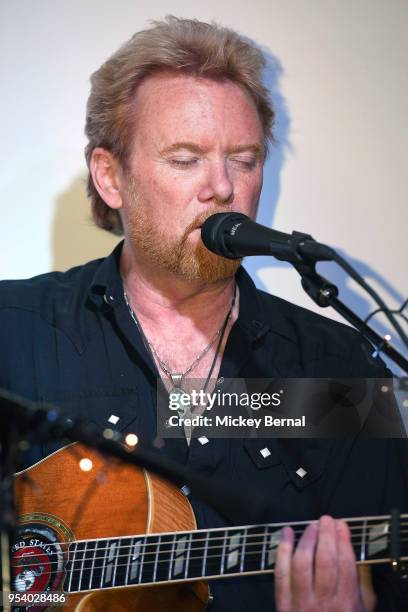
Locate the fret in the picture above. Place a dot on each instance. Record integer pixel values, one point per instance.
(188, 554)
(257, 541)
(81, 571)
(105, 546)
(232, 552)
(156, 559)
(115, 564)
(244, 541)
(215, 548)
(98, 564)
(363, 542)
(194, 567)
(133, 560)
(143, 546)
(86, 569)
(134, 565)
(87, 566)
(70, 565)
(207, 537)
(263, 552)
(130, 558)
(224, 545)
(180, 556)
(76, 569)
(123, 557)
(92, 568)
(173, 545)
(109, 564)
(272, 547)
(162, 565)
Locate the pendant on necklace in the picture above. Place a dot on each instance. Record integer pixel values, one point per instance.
(177, 379)
(177, 393)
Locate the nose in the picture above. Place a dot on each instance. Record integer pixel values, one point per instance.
(217, 185)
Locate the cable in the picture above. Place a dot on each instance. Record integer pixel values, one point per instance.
(383, 307)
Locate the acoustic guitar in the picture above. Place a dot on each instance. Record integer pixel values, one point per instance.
(95, 534)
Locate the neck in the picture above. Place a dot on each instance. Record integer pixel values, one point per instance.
(159, 295)
(215, 553)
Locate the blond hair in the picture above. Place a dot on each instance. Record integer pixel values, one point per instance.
(186, 46)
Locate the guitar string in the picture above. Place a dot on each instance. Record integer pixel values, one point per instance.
(222, 552)
(264, 537)
(233, 531)
(143, 553)
(121, 550)
(378, 521)
(86, 571)
(165, 561)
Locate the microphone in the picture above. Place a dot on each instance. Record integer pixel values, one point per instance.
(234, 235)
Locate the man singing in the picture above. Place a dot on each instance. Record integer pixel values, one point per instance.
(178, 125)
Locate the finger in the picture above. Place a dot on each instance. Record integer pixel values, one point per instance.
(302, 567)
(283, 598)
(347, 585)
(326, 562)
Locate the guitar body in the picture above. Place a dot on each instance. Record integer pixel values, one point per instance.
(58, 502)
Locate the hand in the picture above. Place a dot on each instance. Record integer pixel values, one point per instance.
(321, 574)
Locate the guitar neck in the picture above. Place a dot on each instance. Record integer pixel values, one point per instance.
(214, 553)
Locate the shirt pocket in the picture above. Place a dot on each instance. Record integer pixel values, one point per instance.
(291, 475)
(305, 460)
(117, 408)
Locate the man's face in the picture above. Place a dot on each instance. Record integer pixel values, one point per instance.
(197, 150)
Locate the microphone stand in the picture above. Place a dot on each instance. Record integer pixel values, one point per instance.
(324, 293)
(234, 236)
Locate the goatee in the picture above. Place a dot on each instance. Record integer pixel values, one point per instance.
(179, 256)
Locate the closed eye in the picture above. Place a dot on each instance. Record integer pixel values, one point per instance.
(247, 163)
(183, 163)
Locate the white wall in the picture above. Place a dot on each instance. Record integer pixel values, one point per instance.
(338, 72)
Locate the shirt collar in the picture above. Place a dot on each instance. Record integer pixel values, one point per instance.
(106, 288)
(255, 318)
(259, 312)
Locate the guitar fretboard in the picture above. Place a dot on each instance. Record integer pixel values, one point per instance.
(191, 555)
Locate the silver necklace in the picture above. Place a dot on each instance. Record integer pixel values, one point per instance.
(177, 377)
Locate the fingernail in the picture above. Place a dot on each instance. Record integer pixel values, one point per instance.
(341, 526)
(326, 520)
(286, 534)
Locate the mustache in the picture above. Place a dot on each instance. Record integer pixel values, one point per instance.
(202, 217)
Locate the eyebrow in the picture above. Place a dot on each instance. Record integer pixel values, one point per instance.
(190, 146)
(257, 149)
(253, 148)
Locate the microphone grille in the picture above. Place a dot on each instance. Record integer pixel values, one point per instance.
(218, 227)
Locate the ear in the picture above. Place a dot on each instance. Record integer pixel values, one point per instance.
(106, 174)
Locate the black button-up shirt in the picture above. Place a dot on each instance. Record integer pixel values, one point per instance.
(67, 338)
